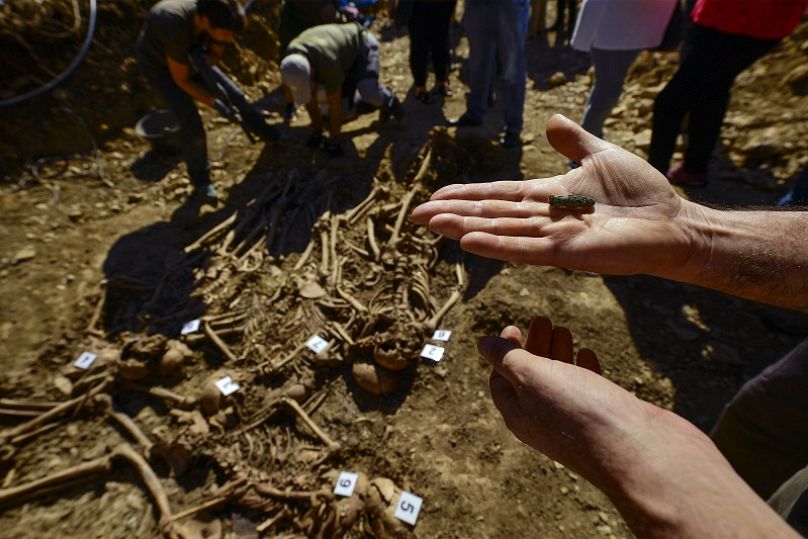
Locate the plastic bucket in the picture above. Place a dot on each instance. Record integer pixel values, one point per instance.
(162, 129)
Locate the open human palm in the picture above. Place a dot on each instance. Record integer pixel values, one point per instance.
(634, 226)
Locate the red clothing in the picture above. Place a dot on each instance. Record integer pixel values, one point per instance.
(761, 19)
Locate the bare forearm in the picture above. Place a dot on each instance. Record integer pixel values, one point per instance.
(677, 484)
(758, 255)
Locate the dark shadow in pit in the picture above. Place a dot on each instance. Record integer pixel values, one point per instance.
(743, 336)
(153, 166)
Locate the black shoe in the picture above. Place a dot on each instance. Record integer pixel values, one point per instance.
(463, 121)
(392, 110)
(443, 90)
(510, 140)
(423, 96)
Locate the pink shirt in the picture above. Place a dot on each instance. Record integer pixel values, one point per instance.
(761, 19)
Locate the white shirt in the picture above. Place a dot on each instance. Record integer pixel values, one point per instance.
(621, 24)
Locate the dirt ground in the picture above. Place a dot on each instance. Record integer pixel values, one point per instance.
(76, 249)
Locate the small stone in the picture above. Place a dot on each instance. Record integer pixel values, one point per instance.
(603, 517)
(63, 384)
(642, 139)
(26, 253)
(565, 490)
(604, 529)
(524, 292)
(557, 79)
(74, 214)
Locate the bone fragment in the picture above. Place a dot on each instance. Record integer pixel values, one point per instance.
(332, 445)
(433, 322)
(374, 246)
(220, 344)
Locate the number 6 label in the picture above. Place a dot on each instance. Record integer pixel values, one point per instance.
(346, 483)
(409, 505)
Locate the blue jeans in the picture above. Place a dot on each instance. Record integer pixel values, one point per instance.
(610, 72)
(496, 29)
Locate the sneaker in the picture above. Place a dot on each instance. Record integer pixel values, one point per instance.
(510, 139)
(206, 192)
(679, 175)
(463, 121)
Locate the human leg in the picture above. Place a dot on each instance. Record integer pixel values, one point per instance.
(707, 114)
(510, 47)
(419, 29)
(193, 143)
(441, 18)
(610, 73)
(480, 30)
(367, 71)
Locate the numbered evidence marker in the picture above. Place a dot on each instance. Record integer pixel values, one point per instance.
(317, 344)
(190, 327)
(227, 386)
(430, 351)
(409, 505)
(85, 360)
(442, 335)
(346, 483)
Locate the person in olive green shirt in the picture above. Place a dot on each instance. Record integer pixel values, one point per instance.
(344, 60)
(297, 16)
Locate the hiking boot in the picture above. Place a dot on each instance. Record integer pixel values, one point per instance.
(443, 90)
(679, 175)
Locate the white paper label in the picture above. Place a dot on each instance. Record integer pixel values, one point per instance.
(85, 360)
(317, 344)
(346, 483)
(409, 505)
(190, 327)
(227, 386)
(442, 335)
(430, 351)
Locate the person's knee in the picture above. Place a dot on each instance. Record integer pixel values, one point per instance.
(372, 92)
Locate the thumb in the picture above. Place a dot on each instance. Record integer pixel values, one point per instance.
(506, 357)
(571, 140)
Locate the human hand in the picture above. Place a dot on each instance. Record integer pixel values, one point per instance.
(225, 111)
(638, 224)
(664, 475)
(567, 411)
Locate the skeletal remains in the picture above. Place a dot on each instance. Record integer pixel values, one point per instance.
(363, 283)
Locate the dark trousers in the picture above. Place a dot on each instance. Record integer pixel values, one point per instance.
(193, 143)
(701, 87)
(429, 33)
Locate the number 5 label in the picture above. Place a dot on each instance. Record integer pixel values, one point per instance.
(346, 483)
(409, 505)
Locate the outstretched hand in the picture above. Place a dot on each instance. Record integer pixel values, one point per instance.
(646, 459)
(636, 225)
(556, 402)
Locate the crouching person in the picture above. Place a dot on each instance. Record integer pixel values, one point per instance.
(178, 49)
(344, 60)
